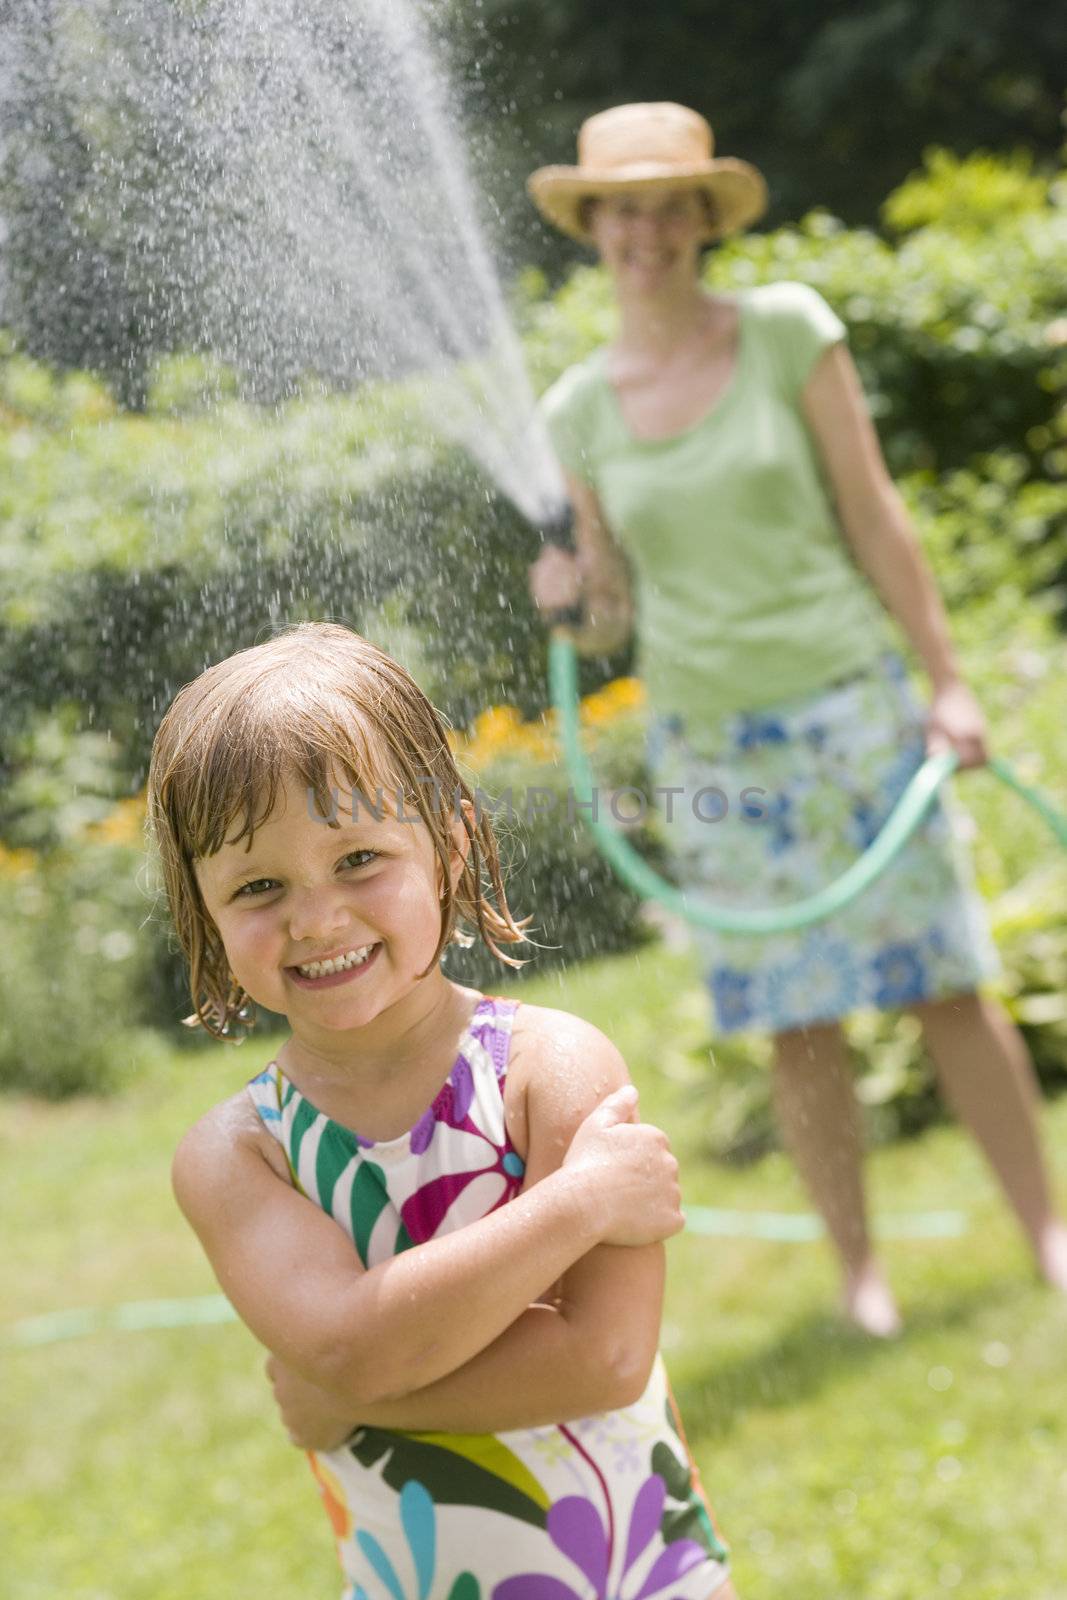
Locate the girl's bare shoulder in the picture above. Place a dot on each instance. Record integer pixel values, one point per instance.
(547, 1038)
(559, 1068)
(219, 1151)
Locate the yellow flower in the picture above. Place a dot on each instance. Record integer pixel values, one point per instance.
(16, 863)
(124, 824)
(497, 724)
(500, 731)
(628, 694)
(616, 699)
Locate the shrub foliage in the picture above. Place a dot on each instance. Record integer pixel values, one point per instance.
(135, 548)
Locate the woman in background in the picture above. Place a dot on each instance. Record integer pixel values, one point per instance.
(732, 503)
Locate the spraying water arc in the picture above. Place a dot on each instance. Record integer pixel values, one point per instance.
(292, 191)
(324, 221)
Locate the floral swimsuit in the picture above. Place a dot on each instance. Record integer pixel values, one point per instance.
(605, 1508)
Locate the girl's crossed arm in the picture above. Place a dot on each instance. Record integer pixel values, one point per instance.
(588, 1346)
(370, 1338)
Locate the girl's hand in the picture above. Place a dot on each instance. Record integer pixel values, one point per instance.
(955, 722)
(555, 580)
(634, 1174)
(313, 1419)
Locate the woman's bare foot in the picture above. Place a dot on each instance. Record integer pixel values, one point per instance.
(869, 1303)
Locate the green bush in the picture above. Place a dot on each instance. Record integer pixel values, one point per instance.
(136, 548)
(554, 871)
(967, 194)
(79, 982)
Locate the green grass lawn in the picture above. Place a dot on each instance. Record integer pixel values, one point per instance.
(148, 1465)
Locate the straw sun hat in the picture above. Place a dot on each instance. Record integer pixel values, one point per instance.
(632, 149)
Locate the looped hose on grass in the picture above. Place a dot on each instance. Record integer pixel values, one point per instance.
(636, 873)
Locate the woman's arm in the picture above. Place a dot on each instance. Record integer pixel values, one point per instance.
(879, 533)
(597, 575)
(369, 1336)
(590, 1347)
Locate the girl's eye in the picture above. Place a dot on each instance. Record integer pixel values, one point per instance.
(360, 858)
(257, 886)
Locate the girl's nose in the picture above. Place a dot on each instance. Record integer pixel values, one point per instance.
(317, 914)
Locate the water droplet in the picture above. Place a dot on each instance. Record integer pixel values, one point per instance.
(996, 1354)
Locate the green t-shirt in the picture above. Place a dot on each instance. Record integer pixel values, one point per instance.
(745, 591)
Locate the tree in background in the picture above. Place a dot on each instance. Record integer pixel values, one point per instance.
(163, 184)
(233, 179)
(835, 99)
(97, 185)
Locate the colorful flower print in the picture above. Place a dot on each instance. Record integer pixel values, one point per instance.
(827, 788)
(823, 977)
(751, 730)
(731, 991)
(498, 1174)
(333, 1498)
(901, 975)
(419, 1522)
(778, 818)
(576, 1530)
(446, 1516)
(456, 1468)
(451, 1105)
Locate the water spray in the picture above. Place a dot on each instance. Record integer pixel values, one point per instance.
(557, 526)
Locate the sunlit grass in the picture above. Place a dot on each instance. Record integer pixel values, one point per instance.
(142, 1465)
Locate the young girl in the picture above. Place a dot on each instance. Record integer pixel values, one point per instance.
(436, 1209)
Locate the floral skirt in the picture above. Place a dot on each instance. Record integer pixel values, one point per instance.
(790, 797)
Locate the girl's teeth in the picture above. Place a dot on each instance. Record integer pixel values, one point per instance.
(323, 969)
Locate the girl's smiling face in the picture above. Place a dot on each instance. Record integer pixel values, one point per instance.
(328, 925)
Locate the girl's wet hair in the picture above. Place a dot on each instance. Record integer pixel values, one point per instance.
(319, 704)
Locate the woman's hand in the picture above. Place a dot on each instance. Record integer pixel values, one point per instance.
(635, 1176)
(313, 1419)
(955, 722)
(555, 580)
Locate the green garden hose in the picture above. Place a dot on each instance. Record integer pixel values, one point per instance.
(636, 873)
(200, 1311)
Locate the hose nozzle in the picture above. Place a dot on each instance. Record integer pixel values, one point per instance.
(557, 528)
